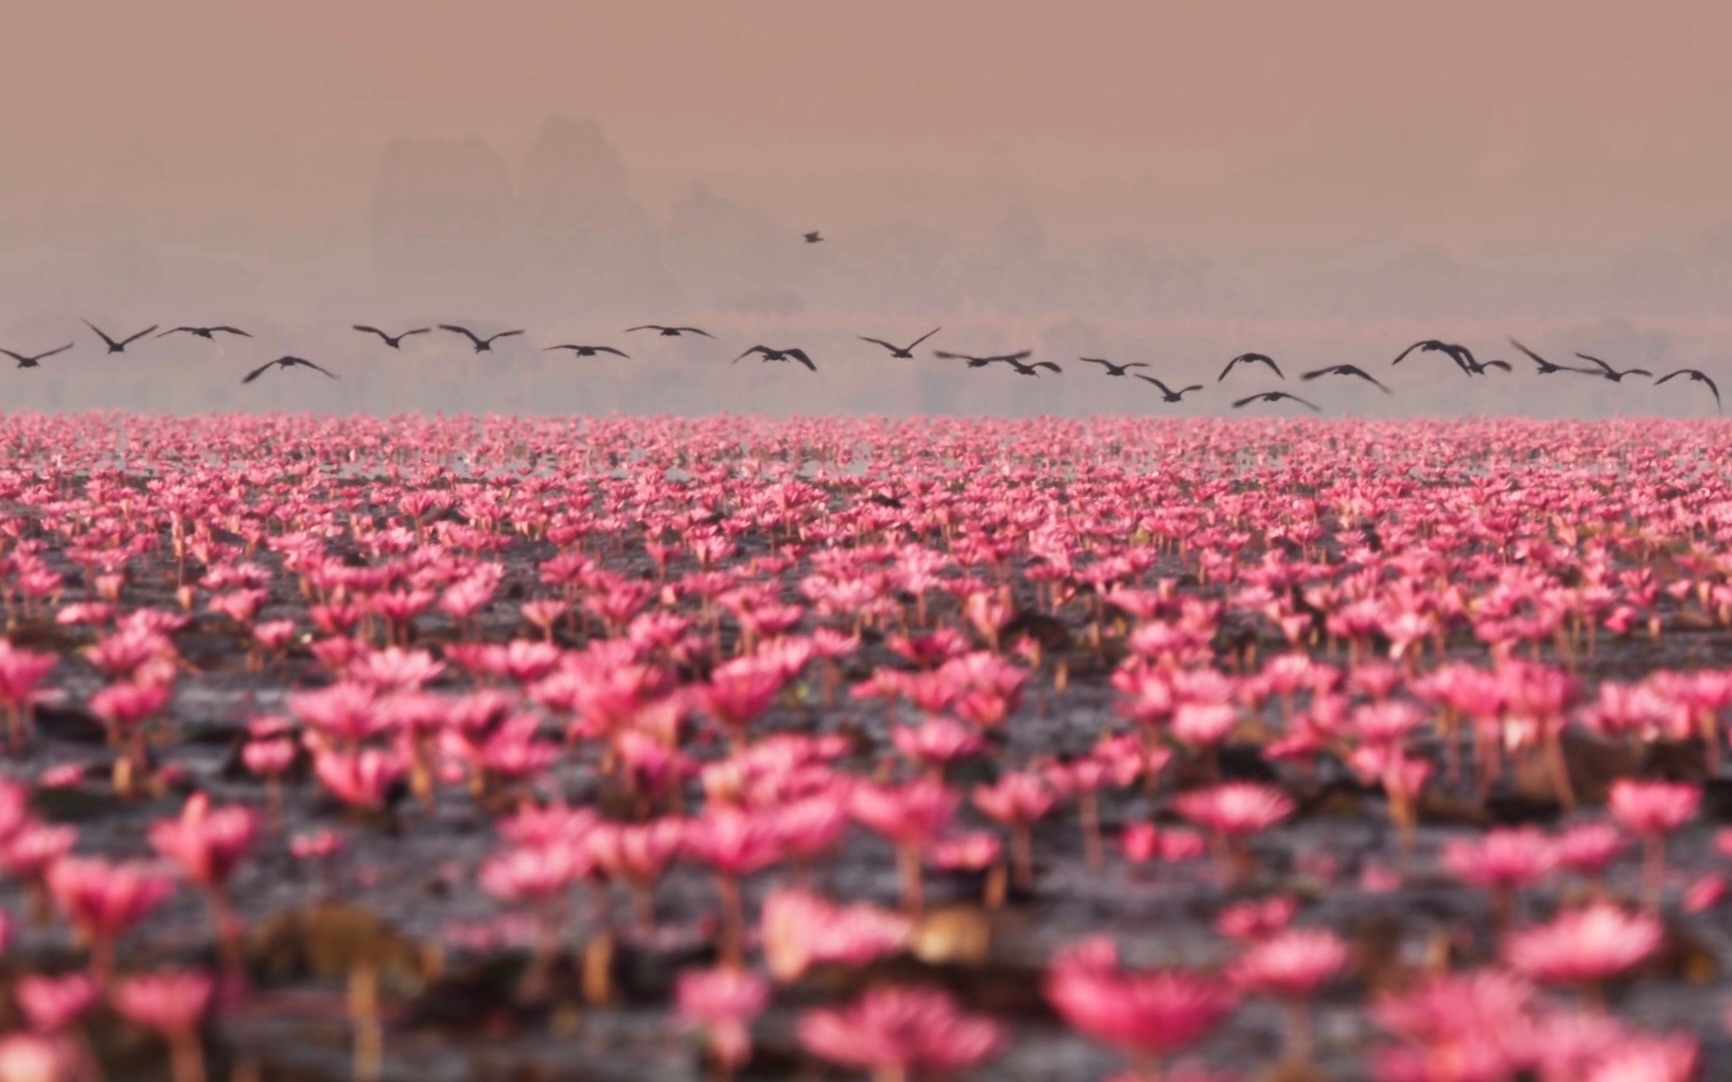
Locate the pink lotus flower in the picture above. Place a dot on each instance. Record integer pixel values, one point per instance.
(55, 1003)
(900, 1034)
(101, 900)
(1583, 946)
(1145, 1014)
(723, 1002)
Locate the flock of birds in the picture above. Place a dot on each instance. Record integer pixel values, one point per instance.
(1461, 355)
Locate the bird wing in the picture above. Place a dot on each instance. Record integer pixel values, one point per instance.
(464, 331)
(129, 341)
(881, 342)
(370, 330)
(1675, 375)
(1303, 402)
(1315, 373)
(309, 364)
(1603, 365)
(562, 345)
(231, 330)
(800, 355)
(696, 330)
(52, 352)
(1047, 364)
(1187, 390)
(1135, 364)
(1639, 372)
(645, 327)
(257, 372)
(1243, 402)
(1403, 354)
(1498, 364)
(172, 330)
(20, 358)
(610, 349)
(1099, 361)
(765, 350)
(1536, 358)
(924, 337)
(953, 356)
(105, 337)
(503, 334)
(1014, 356)
(1151, 379)
(1715, 391)
(1270, 361)
(1227, 369)
(417, 330)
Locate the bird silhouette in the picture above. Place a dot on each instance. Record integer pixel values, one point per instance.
(1275, 396)
(981, 362)
(120, 346)
(1167, 393)
(1461, 355)
(1478, 367)
(285, 363)
(1696, 376)
(205, 332)
(482, 345)
(904, 352)
(1113, 369)
(1346, 370)
(669, 332)
(34, 362)
(1029, 369)
(813, 237)
(1252, 358)
(1546, 367)
(395, 342)
(1612, 373)
(586, 351)
(779, 355)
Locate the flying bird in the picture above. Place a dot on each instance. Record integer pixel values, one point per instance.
(482, 345)
(395, 342)
(1346, 370)
(34, 362)
(1275, 396)
(669, 332)
(205, 332)
(1252, 358)
(586, 351)
(1029, 369)
(120, 346)
(904, 352)
(1612, 373)
(779, 355)
(1696, 376)
(285, 363)
(1546, 367)
(1113, 369)
(980, 362)
(1167, 393)
(1461, 355)
(813, 237)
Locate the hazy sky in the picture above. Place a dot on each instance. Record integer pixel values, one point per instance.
(1376, 160)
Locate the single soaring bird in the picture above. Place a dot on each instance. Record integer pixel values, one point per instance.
(1612, 373)
(669, 332)
(482, 345)
(813, 237)
(120, 346)
(1113, 369)
(1696, 376)
(395, 342)
(904, 352)
(1461, 355)
(1252, 358)
(1346, 370)
(205, 332)
(1167, 393)
(586, 351)
(285, 363)
(34, 362)
(1546, 367)
(1029, 369)
(1275, 396)
(779, 355)
(980, 362)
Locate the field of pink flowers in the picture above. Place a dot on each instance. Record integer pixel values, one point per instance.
(488, 748)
